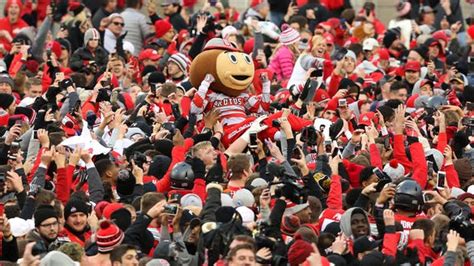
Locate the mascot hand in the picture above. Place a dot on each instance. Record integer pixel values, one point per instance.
(256, 127)
(209, 78)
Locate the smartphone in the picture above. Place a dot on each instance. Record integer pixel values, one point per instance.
(2, 177)
(296, 154)
(386, 143)
(13, 121)
(316, 73)
(327, 146)
(253, 140)
(335, 152)
(171, 209)
(427, 197)
(430, 169)
(441, 180)
(35, 134)
(2, 209)
(342, 102)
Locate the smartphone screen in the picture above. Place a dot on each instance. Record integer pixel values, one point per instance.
(427, 197)
(296, 154)
(441, 180)
(171, 209)
(342, 102)
(253, 140)
(430, 168)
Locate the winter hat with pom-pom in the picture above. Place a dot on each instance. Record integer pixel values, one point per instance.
(288, 35)
(108, 236)
(394, 169)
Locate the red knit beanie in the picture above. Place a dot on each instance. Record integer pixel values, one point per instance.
(108, 236)
(299, 251)
(162, 27)
(290, 224)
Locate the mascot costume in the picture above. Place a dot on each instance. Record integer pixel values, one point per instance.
(222, 75)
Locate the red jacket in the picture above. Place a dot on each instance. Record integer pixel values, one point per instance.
(334, 209)
(177, 154)
(419, 167)
(74, 238)
(424, 251)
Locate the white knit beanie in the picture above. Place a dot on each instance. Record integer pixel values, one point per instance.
(288, 35)
(394, 169)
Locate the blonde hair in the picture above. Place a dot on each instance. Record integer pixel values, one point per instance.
(199, 146)
(294, 50)
(316, 39)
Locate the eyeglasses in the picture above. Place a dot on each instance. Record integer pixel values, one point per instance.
(118, 23)
(53, 224)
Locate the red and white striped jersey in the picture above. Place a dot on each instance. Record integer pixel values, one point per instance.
(233, 110)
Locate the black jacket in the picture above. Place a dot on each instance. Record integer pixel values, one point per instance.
(178, 22)
(83, 54)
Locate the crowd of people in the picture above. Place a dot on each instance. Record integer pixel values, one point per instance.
(300, 132)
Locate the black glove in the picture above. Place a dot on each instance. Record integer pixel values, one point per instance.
(216, 172)
(51, 93)
(305, 91)
(199, 168)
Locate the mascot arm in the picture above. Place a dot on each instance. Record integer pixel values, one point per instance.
(255, 103)
(199, 102)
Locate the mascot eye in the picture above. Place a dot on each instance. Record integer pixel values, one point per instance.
(232, 58)
(247, 59)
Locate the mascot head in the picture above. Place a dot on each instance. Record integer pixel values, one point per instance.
(232, 70)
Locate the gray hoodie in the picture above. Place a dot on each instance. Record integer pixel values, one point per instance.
(345, 222)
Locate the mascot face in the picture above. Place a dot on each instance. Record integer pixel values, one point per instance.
(233, 71)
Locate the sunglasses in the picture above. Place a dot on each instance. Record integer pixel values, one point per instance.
(118, 23)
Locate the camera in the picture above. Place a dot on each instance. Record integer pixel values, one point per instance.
(139, 159)
(309, 136)
(270, 237)
(14, 149)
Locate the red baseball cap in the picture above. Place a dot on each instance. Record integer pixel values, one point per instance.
(365, 119)
(329, 38)
(413, 66)
(321, 95)
(149, 54)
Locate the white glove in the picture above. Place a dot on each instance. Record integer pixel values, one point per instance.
(256, 127)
